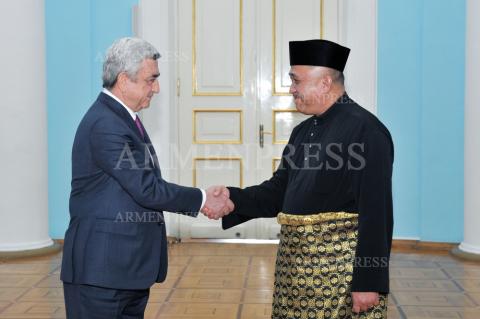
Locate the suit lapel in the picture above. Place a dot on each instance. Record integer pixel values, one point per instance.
(118, 109)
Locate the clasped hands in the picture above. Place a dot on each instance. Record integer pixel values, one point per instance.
(218, 203)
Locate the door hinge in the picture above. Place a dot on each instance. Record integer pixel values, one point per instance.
(178, 86)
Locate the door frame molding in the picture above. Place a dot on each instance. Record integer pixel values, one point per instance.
(362, 39)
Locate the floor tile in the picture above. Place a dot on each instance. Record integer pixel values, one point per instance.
(206, 296)
(424, 285)
(50, 281)
(26, 269)
(417, 273)
(17, 281)
(209, 282)
(220, 260)
(433, 299)
(198, 311)
(199, 270)
(469, 284)
(43, 295)
(258, 296)
(423, 312)
(256, 311)
(260, 281)
(12, 294)
(27, 310)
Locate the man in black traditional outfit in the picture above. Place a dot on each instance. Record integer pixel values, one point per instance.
(332, 196)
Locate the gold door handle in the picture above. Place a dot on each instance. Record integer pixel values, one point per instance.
(261, 133)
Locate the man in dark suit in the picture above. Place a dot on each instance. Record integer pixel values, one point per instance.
(115, 246)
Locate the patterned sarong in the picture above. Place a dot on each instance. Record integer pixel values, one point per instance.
(314, 267)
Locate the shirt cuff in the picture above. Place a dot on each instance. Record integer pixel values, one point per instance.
(204, 198)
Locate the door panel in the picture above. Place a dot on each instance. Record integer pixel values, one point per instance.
(217, 105)
(285, 30)
(217, 47)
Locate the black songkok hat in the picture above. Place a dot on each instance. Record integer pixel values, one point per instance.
(318, 53)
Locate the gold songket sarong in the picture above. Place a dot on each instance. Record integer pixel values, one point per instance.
(314, 267)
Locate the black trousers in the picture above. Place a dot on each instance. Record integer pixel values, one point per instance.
(91, 302)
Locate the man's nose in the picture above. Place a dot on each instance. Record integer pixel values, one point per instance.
(156, 86)
(292, 89)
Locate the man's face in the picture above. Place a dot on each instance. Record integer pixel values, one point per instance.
(139, 92)
(306, 89)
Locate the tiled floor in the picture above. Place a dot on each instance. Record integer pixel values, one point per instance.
(234, 281)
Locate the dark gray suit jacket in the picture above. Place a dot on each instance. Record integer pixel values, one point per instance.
(116, 237)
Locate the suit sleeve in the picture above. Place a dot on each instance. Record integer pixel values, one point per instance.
(118, 156)
(374, 197)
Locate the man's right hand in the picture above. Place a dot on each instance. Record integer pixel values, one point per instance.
(363, 301)
(218, 203)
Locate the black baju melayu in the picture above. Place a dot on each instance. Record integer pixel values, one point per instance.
(332, 195)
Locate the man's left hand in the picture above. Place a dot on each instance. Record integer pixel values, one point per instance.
(362, 301)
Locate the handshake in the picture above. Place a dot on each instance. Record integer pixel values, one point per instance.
(218, 203)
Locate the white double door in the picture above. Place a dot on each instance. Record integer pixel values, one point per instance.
(233, 85)
(232, 64)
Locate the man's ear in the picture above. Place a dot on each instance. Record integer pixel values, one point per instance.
(325, 83)
(122, 79)
(328, 82)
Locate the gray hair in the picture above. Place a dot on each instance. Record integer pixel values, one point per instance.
(337, 76)
(126, 55)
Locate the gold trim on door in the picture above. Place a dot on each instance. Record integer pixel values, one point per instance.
(274, 125)
(195, 91)
(274, 167)
(194, 132)
(322, 26)
(195, 159)
(274, 41)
